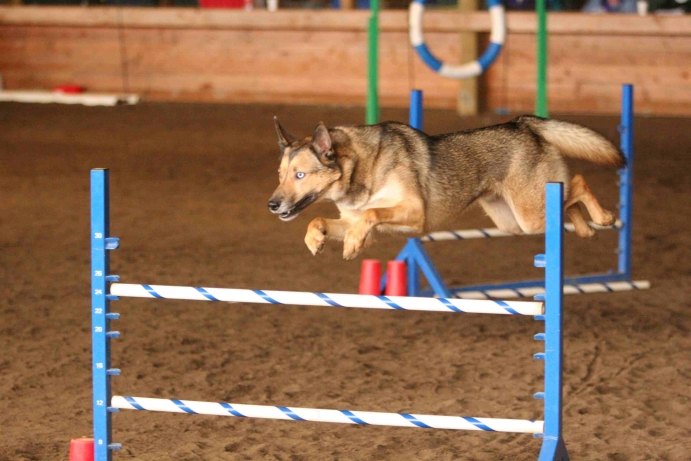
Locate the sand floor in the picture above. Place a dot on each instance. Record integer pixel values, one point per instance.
(189, 191)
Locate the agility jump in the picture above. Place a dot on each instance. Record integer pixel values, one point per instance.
(106, 288)
(418, 261)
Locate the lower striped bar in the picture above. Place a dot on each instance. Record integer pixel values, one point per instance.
(404, 303)
(329, 416)
(579, 289)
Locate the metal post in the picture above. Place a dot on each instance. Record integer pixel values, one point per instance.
(413, 277)
(541, 84)
(553, 447)
(626, 181)
(415, 120)
(100, 306)
(372, 110)
(100, 315)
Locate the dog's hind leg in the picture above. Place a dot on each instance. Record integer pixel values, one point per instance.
(500, 212)
(527, 201)
(583, 230)
(580, 192)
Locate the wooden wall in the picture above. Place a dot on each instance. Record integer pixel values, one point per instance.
(320, 57)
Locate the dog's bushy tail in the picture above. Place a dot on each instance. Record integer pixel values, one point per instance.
(575, 141)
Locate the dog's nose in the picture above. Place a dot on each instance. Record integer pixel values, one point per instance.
(274, 205)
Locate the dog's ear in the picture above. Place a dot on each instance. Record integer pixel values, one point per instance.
(285, 139)
(321, 142)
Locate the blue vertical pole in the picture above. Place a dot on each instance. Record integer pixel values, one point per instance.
(626, 181)
(416, 121)
(415, 118)
(553, 447)
(100, 314)
(413, 277)
(100, 307)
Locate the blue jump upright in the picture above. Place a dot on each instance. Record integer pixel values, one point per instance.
(419, 261)
(553, 447)
(547, 308)
(101, 244)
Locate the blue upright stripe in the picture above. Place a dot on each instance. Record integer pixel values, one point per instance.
(482, 231)
(266, 297)
(458, 236)
(290, 413)
(134, 403)
(507, 308)
(448, 304)
(152, 292)
(391, 303)
(206, 294)
(353, 418)
(415, 421)
(428, 58)
(489, 55)
(328, 300)
(232, 410)
(478, 424)
(183, 407)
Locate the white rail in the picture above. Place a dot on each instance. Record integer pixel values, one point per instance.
(482, 306)
(582, 288)
(328, 416)
(468, 234)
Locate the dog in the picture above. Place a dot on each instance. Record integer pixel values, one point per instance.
(390, 177)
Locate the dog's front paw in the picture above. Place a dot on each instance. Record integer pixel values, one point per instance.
(314, 239)
(316, 236)
(352, 245)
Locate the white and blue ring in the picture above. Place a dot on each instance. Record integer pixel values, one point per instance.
(467, 70)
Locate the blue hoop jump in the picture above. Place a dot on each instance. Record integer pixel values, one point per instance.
(467, 70)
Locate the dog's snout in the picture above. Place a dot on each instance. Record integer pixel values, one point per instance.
(274, 205)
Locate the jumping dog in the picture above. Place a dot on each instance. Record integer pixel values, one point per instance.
(394, 178)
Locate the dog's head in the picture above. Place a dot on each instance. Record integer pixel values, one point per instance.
(308, 168)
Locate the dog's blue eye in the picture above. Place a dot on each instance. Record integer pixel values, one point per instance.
(300, 175)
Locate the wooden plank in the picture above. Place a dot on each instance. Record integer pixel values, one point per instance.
(467, 102)
(318, 67)
(329, 20)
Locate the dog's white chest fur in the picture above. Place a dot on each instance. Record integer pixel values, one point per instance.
(389, 195)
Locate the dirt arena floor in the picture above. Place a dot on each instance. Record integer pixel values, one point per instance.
(189, 190)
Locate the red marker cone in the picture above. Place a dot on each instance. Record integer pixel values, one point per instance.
(396, 280)
(82, 450)
(370, 277)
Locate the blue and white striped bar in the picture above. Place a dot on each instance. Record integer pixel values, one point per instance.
(365, 418)
(469, 234)
(468, 70)
(328, 299)
(583, 288)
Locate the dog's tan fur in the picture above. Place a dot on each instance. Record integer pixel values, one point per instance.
(393, 178)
